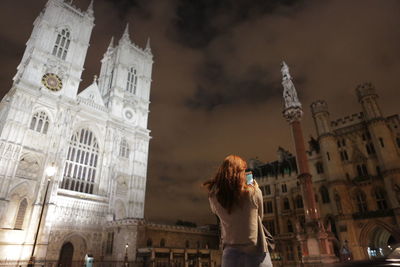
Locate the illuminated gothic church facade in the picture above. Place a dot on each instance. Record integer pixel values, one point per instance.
(96, 139)
(355, 167)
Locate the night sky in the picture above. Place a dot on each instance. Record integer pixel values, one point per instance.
(216, 78)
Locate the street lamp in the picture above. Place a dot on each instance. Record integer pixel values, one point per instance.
(126, 264)
(50, 171)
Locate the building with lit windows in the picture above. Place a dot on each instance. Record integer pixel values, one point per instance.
(355, 167)
(97, 140)
(161, 245)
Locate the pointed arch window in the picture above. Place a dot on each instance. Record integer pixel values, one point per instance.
(62, 44)
(124, 149)
(289, 226)
(361, 201)
(131, 83)
(19, 221)
(40, 122)
(338, 203)
(162, 243)
(319, 167)
(380, 199)
(324, 194)
(81, 165)
(286, 204)
(110, 243)
(111, 79)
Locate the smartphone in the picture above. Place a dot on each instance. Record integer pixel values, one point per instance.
(249, 178)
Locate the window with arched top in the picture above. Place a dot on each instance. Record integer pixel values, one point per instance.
(124, 148)
(131, 83)
(324, 194)
(362, 170)
(81, 165)
(286, 204)
(19, 221)
(289, 226)
(361, 201)
(162, 242)
(338, 203)
(61, 46)
(40, 122)
(319, 167)
(187, 244)
(380, 198)
(299, 202)
(149, 242)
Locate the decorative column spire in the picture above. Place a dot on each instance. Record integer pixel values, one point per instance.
(89, 10)
(125, 37)
(292, 106)
(148, 48)
(111, 45)
(314, 239)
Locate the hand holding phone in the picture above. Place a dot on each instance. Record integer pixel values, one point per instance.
(249, 178)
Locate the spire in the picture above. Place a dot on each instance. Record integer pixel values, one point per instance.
(90, 8)
(125, 36)
(148, 48)
(111, 45)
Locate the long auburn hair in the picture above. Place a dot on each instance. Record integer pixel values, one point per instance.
(229, 183)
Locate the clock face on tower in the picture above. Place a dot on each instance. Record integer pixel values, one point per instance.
(52, 82)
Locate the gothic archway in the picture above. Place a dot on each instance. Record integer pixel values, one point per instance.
(66, 254)
(377, 238)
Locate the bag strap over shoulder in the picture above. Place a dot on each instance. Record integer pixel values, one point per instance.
(265, 240)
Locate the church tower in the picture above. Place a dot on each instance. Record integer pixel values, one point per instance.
(55, 52)
(96, 141)
(125, 80)
(327, 140)
(383, 141)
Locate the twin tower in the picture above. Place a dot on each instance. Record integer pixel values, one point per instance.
(58, 47)
(96, 140)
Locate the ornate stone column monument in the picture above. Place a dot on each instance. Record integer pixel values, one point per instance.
(315, 245)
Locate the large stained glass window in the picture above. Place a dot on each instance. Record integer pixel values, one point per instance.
(81, 166)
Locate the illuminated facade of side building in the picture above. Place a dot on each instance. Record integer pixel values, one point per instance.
(97, 139)
(355, 167)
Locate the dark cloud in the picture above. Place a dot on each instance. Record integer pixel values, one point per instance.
(220, 88)
(198, 22)
(124, 7)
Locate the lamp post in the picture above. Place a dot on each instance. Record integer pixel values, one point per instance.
(126, 264)
(50, 172)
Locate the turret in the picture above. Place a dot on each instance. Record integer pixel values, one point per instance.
(368, 99)
(320, 113)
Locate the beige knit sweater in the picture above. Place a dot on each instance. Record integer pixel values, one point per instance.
(240, 227)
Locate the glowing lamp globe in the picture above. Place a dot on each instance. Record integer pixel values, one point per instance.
(51, 170)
